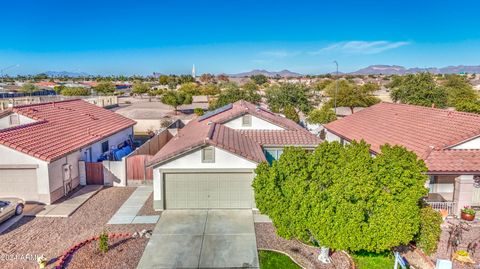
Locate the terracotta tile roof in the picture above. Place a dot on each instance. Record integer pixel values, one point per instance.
(61, 128)
(197, 134)
(282, 138)
(429, 132)
(417, 128)
(246, 143)
(457, 160)
(242, 107)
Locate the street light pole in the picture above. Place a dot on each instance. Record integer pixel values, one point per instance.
(336, 89)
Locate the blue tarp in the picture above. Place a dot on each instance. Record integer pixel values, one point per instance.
(118, 154)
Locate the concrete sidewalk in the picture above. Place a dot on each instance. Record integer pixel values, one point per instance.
(127, 213)
(70, 205)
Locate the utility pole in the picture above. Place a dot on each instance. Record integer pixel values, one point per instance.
(336, 89)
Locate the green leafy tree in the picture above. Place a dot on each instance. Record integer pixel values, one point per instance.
(105, 88)
(58, 88)
(190, 88)
(29, 88)
(231, 93)
(75, 91)
(288, 94)
(164, 80)
(430, 230)
(351, 95)
(140, 88)
(323, 115)
(472, 106)
(259, 79)
(458, 90)
(209, 89)
(418, 89)
(291, 113)
(342, 197)
(176, 99)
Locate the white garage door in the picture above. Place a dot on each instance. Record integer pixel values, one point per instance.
(209, 190)
(21, 183)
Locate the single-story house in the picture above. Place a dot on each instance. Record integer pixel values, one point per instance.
(210, 162)
(448, 142)
(41, 146)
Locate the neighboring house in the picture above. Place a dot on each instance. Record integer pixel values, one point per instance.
(448, 142)
(210, 162)
(41, 146)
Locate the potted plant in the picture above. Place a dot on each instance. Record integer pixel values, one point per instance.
(468, 213)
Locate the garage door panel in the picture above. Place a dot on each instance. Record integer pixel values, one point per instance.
(20, 183)
(208, 190)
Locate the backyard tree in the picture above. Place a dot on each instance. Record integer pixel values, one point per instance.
(323, 115)
(284, 95)
(290, 113)
(418, 89)
(231, 93)
(190, 88)
(175, 99)
(105, 88)
(351, 95)
(140, 88)
(341, 197)
(259, 79)
(29, 88)
(209, 89)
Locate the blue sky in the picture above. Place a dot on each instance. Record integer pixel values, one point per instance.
(141, 37)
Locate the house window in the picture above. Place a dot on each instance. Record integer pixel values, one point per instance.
(105, 146)
(273, 154)
(247, 120)
(14, 120)
(208, 155)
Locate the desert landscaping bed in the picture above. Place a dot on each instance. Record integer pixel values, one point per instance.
(52, 236)
(304, 255)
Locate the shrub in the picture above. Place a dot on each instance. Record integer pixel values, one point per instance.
(75, 91)
(429, 234)
(198, 111)
(103, 242)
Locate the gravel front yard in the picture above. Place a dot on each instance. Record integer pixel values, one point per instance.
(304, 255)
(473, 234)
(52, 236)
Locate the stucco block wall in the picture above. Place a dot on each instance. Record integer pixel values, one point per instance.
(257, 124)
(114, 173)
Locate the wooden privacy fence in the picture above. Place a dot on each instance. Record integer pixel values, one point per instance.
(94, 173)
(137, 169)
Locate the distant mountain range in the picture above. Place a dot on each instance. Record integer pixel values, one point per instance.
(65, 74)
(283, 73)
(400, 70)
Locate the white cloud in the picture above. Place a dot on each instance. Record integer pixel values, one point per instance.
(361, 47)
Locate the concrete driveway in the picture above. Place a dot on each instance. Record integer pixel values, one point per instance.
(202, 239)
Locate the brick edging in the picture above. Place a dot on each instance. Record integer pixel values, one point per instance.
(60, 263)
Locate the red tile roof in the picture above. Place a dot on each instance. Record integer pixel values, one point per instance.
(423, 130)
(61, 128)
(246, 143)
(451, 161)
(282, 137)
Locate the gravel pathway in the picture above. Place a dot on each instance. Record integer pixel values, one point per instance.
(304, 255)
(52, 236)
